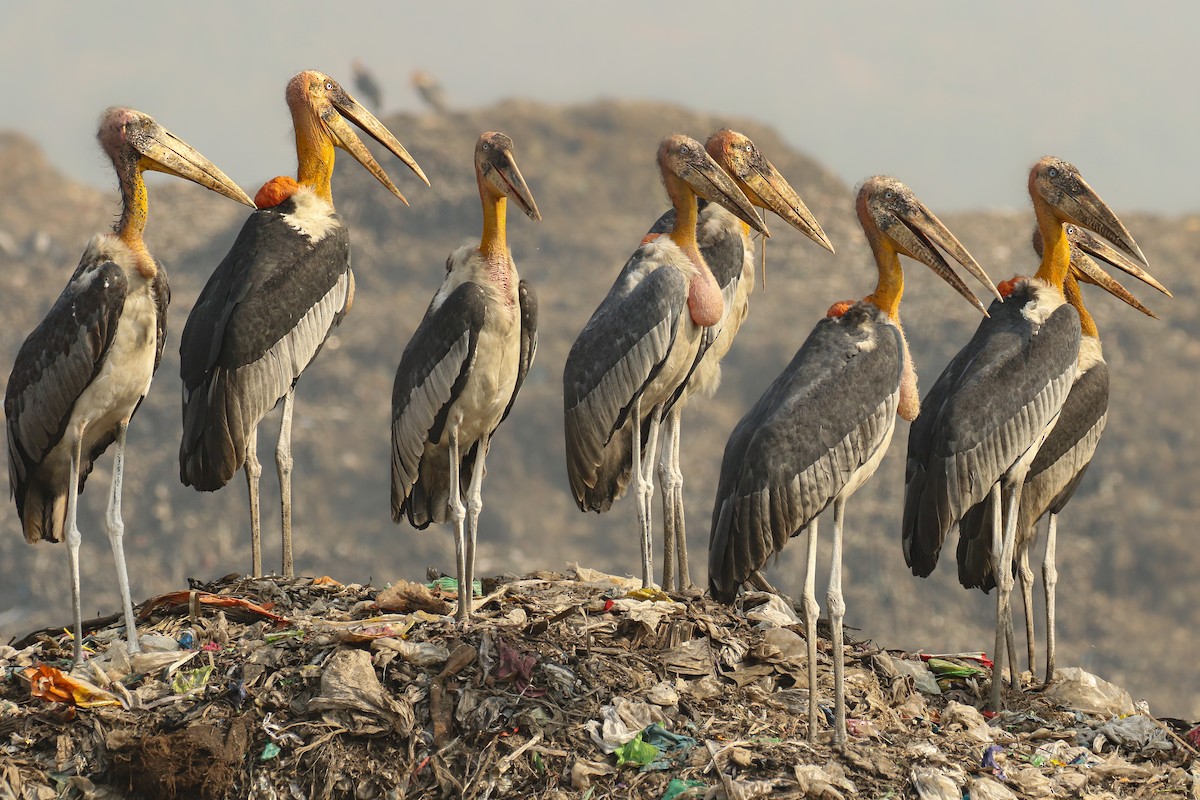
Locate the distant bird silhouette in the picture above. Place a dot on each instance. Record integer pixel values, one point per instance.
(84, 371)
(430, 89)
(367, 87)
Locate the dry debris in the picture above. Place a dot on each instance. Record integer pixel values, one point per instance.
(575, 685)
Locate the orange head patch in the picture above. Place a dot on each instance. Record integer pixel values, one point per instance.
(1009, 286)
(275, 191)
(839, 308)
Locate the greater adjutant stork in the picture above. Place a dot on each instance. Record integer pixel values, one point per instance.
(728, 249)
(821, 429)
(82, 373)
(636, 352)
(984, 419)
(460, 373)
(1061, 461)
(272, 302)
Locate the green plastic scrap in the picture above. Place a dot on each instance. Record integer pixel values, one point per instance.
(951, 669)
(186, 680)
(446, 584)
(636, 751)
(679, 788)
(269, 751)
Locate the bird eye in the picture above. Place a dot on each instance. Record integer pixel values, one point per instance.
(1070, 229)
(1052, 172)
(888, 194)
(329, 86)
(487, 145)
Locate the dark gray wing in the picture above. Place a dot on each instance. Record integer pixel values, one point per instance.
(162, 298)
(794, 451)
(54, 365)
(988, 407)
(1053, 477)
(432, 372)
(529, 338)
(618, 353)
(259, 321)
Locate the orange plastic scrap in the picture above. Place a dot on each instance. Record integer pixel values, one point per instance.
(325, 580)
(209, 599)
(55, 686)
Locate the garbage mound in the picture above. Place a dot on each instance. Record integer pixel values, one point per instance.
(580, 685)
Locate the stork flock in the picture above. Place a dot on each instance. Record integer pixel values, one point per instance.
(1000, 440)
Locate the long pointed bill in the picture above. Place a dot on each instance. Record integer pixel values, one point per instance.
(506, 169)
(915, 242)
(775, 193)
(350, 142)
(1084, 240)
(1087, 210)
(712, 183)
(163, 151)
(923, 222)
(1086, 270)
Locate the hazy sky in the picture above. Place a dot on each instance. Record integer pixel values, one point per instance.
(955, 98)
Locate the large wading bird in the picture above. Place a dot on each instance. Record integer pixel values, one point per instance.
(637, 351)
(272, 302)
(983, 421)
(821, 429)
(728, 248)
(1063, 459)
(460, 373)
(82, 373)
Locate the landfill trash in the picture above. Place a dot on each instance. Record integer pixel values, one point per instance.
(958, 716)
(1078, 690)
(663, 693)
(553, 674)
(984, 788)
(636, 751)
(824, 783)
(55, 686)
(769, 610)
(1133, 734)
(935, 784)
(923, 679)
(352, 698)
(405, 595)
(680, 789)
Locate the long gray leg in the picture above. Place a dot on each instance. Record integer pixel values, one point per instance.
(283, 461)
(837, 613)
(458, 513)
(643, 474)
(1026, 576)
(73, 539)
(997, 510)
(1050, 578)
(681, 557)
(253, 473)
(474, 506)
(116, 536)
(810, 626)
(1004, 586)
(670, 484)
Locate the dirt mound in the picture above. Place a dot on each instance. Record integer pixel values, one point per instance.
(563, 686)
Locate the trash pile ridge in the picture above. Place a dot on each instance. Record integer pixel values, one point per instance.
(577, 685)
